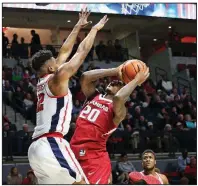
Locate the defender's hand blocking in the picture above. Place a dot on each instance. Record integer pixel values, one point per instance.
(101, 23)
(83, 18)
(142, 75)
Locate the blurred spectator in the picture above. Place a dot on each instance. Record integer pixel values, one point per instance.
(184, 181)
(183, 161)
(135, 140)
(118, 51)
(30, 179)
(7, 141)
(23, 140)
(76, 107)
(23, 49)
(124, 167)
(8, 91)
(28, 101)
(14, 177)
(109, 52)
(5, 43)
(100, 51)
(149, 87)
(16, 74)
(165, 84)
(35, 42)
(15, 46)
(26, 75)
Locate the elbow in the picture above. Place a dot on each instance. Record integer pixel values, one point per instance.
(83, 78)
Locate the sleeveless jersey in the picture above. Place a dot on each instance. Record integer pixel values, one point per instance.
(158, 178)
(93, 127)
(53, 112)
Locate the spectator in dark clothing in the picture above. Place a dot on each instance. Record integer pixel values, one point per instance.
(15, 46)
(100, 51)
(23, 49)
(7, 141)
(23, 139)
(118, 51)
(110, 52)
(5, 43)
(35, 43)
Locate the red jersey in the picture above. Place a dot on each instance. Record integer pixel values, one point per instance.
(93, 127)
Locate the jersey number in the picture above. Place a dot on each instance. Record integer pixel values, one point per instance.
(40, 102)
(89, 113)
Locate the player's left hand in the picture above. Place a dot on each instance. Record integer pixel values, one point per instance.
(119, 70)
(83, 18)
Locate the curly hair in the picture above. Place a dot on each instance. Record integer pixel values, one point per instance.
(39, 59)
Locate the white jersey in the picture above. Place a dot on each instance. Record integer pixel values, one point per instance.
(53, 112)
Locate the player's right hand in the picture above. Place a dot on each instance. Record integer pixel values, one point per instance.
(142, 76)
(101, 23)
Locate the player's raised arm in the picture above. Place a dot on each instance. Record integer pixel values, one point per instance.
(67, 46)
(69, 69)
(88, 79)
(123, 94)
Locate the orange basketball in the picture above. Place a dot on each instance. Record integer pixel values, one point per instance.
(130, 69)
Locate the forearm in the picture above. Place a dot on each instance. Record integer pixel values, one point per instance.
(93, 75)
(73, 65)
(67, 46)
(86, 45)
(124, 92)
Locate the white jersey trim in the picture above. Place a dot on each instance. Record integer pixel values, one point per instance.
(102, 98)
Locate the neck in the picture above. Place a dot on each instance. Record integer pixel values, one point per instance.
(108, 96)
(148, 172)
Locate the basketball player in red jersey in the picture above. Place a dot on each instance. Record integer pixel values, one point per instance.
(99, 117)
(149, 174)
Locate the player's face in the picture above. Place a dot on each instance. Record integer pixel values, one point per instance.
(114, 87)
(148, 161)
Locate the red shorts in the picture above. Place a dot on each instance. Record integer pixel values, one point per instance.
(97, 171)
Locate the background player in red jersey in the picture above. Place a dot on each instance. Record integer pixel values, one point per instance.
(149, 174)
(99, 117)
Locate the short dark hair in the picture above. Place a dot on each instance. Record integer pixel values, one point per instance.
(123, 154)
(149, 151)
(39, 58)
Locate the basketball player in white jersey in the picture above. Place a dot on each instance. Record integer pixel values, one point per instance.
(50, 155)
(149, 174)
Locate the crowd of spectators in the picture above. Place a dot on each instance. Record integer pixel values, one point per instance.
(158, 114)
(15, 178)
(109, 52)
(21, 50)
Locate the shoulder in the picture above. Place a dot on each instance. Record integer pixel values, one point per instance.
(164, 178)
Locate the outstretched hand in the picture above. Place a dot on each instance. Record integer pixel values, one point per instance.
(101, 23)
(83, 18)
